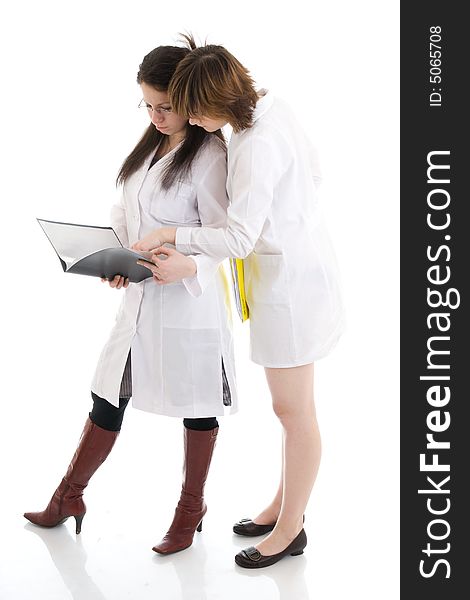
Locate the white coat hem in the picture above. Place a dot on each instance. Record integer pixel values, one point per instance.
(102, 394)
(224, 411)
(305, 360)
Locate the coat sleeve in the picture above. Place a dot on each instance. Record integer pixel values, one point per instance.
(119, 222)
(255, 172)
(212, 204)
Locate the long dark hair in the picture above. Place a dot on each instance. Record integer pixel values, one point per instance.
(156, 70)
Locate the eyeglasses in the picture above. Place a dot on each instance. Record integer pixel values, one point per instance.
(149, 107)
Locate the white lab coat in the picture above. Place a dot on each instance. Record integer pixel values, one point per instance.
(178, 333)
(274, 222)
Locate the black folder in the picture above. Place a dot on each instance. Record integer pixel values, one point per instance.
(95, 251)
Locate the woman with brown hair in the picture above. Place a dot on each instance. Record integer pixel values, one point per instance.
(179, 338)
(274, 223)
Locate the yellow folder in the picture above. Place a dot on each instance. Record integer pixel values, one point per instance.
(238, 280)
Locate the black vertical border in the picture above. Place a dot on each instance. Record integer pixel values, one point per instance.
(425, 129)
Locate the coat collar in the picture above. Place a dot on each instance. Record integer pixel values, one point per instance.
(142, 172)
(263, 105)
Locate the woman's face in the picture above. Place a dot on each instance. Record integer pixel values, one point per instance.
(166, 122)
(207, 123)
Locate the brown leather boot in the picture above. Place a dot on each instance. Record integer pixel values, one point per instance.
(198, 449)
(94, 446)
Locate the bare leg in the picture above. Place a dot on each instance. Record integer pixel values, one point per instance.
(292, 395)
(271, 513)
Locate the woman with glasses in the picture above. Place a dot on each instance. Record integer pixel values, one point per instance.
(274, 224)
(171, 346)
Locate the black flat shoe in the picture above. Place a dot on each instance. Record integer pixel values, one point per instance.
(251, 558)
(250, 529)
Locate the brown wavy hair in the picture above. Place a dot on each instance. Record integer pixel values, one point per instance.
(211, 82)
(156, 70)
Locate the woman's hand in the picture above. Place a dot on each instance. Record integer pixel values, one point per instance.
(155, 239)
(174, 267)
(118, 282)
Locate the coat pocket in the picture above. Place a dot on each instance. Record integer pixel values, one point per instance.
(266, 279)
(191, 364)
(176, 206)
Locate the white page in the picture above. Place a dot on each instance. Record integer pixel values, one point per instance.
(73, 242)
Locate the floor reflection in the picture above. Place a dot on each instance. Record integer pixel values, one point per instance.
(196, 569)
(69, 557)
(189, 570)
(288, 575)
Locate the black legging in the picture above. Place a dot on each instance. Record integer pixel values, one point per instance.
(110, 417)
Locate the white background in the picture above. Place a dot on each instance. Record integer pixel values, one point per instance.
(68, 118)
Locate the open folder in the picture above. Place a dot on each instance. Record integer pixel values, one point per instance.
(95, 251)
(238, 280)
